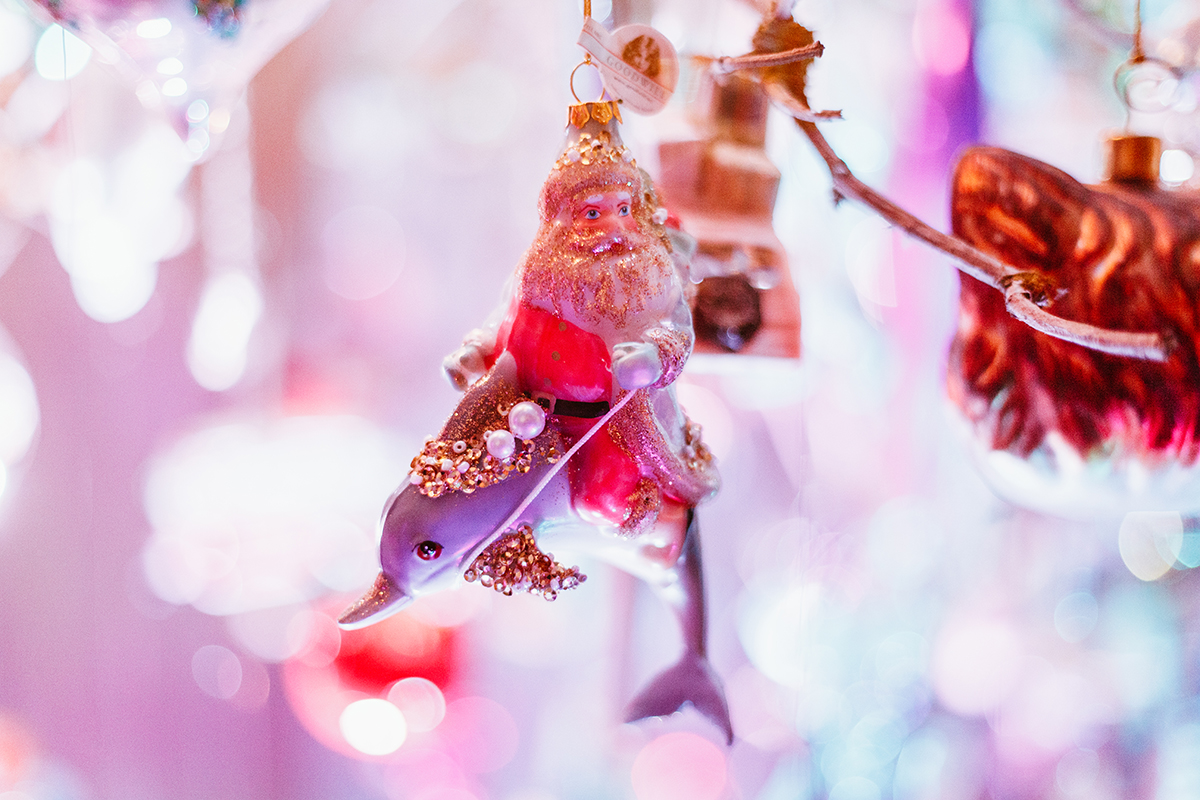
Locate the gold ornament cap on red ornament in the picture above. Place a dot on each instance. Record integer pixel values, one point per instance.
(1134, 159)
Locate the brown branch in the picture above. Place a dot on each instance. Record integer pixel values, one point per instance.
(1023, 294)
(727, 64)
(802, 113)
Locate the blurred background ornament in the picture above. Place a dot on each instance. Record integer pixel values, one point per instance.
(1060, 427)
(191, 61)
(100, 125)
(723, 188)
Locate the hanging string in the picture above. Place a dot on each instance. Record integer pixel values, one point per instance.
(1138, 55)
(587, 57)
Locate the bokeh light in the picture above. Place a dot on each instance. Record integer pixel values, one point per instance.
(977, 662)
(217, 670)
(373, 726)
(217, 350)
(1150, 542)
(154, 28)
(1176, 166)
(16, 39)
(421, 702)
(679, 766)
(364, 252)
(60, 54)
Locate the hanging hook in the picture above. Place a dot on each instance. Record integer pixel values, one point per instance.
(587, 62)
(1144, 83)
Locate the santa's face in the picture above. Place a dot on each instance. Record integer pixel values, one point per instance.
(601, 220)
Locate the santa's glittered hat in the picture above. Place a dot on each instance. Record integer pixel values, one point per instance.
(593, 158)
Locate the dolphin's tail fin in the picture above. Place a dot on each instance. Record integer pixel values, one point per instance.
(690, 680)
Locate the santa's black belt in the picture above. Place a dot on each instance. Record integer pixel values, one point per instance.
(571, 408)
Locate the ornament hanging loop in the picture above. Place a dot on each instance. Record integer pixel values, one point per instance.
(1148, 85)
(587, 62)
(1145, 84)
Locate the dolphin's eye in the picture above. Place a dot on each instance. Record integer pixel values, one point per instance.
(428, 551)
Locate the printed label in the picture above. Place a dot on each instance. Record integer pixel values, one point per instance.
(638, 64)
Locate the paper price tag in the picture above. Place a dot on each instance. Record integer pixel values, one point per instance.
(638, 64)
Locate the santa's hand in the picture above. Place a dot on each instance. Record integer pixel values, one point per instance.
(636, 364)
(464, 366)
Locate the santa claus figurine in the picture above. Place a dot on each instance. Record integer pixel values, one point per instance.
(597, 308)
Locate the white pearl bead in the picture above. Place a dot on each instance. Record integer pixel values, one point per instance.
(501, 444)
(447, 465)
(526, 420)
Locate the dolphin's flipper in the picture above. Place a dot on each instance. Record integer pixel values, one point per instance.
(691, 679)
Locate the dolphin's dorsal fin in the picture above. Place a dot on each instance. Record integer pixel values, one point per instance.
(486, 403)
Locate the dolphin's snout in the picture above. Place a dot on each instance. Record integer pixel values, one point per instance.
(384, 599)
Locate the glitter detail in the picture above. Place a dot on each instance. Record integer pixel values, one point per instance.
(642, 508)
(674, 347)
(441, 467)
(695, 452)
(598, 148)
(561, 275)
(514, 563)
(457, 459)
(683, 468)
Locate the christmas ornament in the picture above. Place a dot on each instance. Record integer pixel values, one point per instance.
(1060, 426)
(569, 433)
(723, 188)
(223, 17)
(191, 60)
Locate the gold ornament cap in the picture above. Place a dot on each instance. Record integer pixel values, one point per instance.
(592, 157)
(1133, 159)
(593, 136)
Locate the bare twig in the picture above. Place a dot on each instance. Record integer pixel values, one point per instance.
(762, 60)
(782, 97)
(1023, 292)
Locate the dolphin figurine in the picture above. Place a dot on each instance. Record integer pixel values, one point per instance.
(459, 523)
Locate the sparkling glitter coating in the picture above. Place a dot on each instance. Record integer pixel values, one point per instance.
(685, 471)
(457, 460)
(644, 505)
(606, 292)
(514, 563)
(674, 347)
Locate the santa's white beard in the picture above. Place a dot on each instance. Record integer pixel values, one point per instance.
(597, 278)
